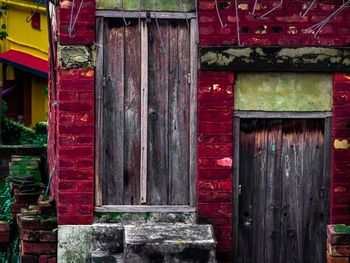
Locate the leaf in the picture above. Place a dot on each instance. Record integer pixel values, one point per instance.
(3, 26)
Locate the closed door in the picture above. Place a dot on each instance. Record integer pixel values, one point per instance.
(283, 201)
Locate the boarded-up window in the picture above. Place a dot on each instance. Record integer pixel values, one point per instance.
(146, 68)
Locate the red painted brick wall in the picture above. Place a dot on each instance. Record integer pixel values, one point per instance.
(71, 137)
(282, 27)
(340, 190)
(214, 156)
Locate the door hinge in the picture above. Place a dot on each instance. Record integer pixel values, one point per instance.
(189, 78)
(239, 189)
(104, 82)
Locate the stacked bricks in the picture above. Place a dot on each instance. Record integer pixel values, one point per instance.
(214, 156)
(338, 244)
(4, 232)
(282, 27)
(340, 188)
(74, 141)
(25, 178)
(38, 237)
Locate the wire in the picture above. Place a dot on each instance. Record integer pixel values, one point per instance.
(237, 25)
(73, 22)
(218, 14)
(273, 9)
(162, 49)
(28, 19)
(318, 27)
(308, 9)
(254, 8)
(197, 21)
(184, 12)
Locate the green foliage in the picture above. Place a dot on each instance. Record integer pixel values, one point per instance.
(10, 253)
(14, 133)
(3, 33)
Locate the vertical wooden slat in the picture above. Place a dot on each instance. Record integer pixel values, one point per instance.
(158, 140)
(246, 172)
(236, 185)
(179, 114)
(259, 191)
(99, 111)
(113, 116)
(144, 111)
(132, 114)
(193, 111)
(292, 189)
(273, 191)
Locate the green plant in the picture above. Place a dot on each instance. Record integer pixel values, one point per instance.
(3, 32)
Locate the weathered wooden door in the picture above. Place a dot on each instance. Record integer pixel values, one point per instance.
(145, 137)
(283, 199)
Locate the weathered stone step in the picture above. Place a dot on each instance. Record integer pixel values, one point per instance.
(169, 243)
(105, 257)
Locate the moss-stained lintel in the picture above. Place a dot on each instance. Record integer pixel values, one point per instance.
(297, 59)
(147, 5)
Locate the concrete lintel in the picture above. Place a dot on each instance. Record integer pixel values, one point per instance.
(75, 56)
(294, 59)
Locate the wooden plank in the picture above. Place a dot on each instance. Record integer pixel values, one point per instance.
(158, 140)
(135, 14)
(99, 111)
(193, 111)
(144, 112)
(259, 191)
(179, 110)
(246, 170)
(273, 191)
(282, 115)
(132, 114)
(146, 208)
(113, 115)
(292, 185)
(236, 182)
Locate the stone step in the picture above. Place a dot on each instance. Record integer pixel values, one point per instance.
(105, 257)
(169, 243)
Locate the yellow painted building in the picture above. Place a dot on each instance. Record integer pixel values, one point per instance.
(24, 58)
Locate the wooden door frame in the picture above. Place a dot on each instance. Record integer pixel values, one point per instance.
(101, 17)
(237, 116)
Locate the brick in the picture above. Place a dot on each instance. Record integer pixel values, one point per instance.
(29, 235)
(75, 198)
(48, 236)
(38, 248)
(214, 174)
(81, 151)
(85, 164)
(336, 238)
(78, 130)
(214, 197)
(338, 250)
(47, 259)
(4, 226)
(212, 151)
(29, 222)
(331, 259)
(4, 237)
(75, 219)
(75, 107)
(75, 175)
(29, 259)
(214, 209)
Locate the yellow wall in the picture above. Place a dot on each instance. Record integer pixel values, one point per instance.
(22, 37)
(39, 100)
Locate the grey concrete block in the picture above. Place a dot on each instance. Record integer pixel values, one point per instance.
(98, 257)
(107, 238)
(187, 243)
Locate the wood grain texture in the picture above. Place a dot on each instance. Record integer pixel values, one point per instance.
(132, 115)
(284, 191)
(158, 140)
(99, 111)
(113, 116)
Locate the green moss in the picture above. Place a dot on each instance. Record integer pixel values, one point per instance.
(283, 92)
(147, 5)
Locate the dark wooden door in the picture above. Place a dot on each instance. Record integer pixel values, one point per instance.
(283, 201)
